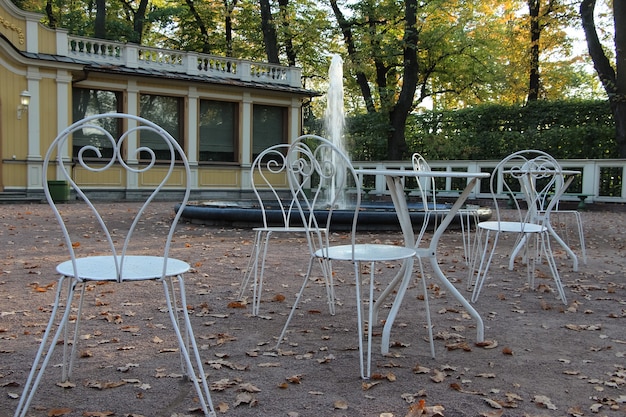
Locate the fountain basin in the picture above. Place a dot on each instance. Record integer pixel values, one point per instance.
(374, 216)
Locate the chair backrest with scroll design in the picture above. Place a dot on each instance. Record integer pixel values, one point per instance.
(268, 175)
(135, 157)
(320, 175)
(531, 175)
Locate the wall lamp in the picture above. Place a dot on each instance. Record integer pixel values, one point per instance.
(24, 103)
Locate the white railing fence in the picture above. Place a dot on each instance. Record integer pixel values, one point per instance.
(601, 180)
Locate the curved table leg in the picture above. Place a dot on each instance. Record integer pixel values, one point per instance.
(397, 195)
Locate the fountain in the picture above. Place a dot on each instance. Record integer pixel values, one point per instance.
(334, 118)
(374, 215)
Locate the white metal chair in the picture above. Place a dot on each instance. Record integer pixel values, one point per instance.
(434, 212)
(123, 145)
(279, 215)
(559, 217)
(533, 176)
(319, 174)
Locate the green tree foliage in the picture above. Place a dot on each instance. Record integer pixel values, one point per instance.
(400, 55)
(565, 129)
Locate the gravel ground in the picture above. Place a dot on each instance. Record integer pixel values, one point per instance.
(546, 358)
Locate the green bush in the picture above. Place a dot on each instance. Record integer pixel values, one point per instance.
(565, 129)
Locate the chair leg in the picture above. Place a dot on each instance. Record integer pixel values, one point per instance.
(547, 249)
(68, 358)
(467, 219)
(258, 276)
(252, 263)
(327, 271)
(380, 301)
(485, 262)
(295, 304)
(370, 319)
(420, 235)
(429, 323)
(359, 319)
(197, 373)
(34, 377)
(581, 236)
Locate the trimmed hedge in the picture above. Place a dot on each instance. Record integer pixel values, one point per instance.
(565, 129)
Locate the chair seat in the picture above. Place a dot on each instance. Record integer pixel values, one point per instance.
(136, 268)
(366, 252)
(513, 227)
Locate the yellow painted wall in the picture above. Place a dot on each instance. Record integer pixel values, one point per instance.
(156, 175)
(277, 180)
(113, 177)
(47, 40)
(14, 174)
(14, 132)
(13, 29)
(219, 178)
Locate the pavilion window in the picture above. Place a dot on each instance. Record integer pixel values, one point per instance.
(269, 127)
(218, 131)
(166, 112)
(87, 102)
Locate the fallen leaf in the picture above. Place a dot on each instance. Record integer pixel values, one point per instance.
(236, 304)
(544, 401)
(248, 387)
(269, 365)
(340, 405)
(245, 398)
(437, 376)
(294, 379)
(55, 412)
(487, 344)
(493, 404)
(420, 369)
(367, 385)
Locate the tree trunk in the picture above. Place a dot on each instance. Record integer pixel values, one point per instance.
(396, 141)
(100, 31)
(52, 20)
(289, 49)
(204, 33)
(361, 78)
(619, 102)
(535, 34)
(139, 21)
(614, 83)
(228, 25)
(270, 38)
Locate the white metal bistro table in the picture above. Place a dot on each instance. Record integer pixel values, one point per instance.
(394, 179)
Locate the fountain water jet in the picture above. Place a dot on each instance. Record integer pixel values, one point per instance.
(334, 118)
